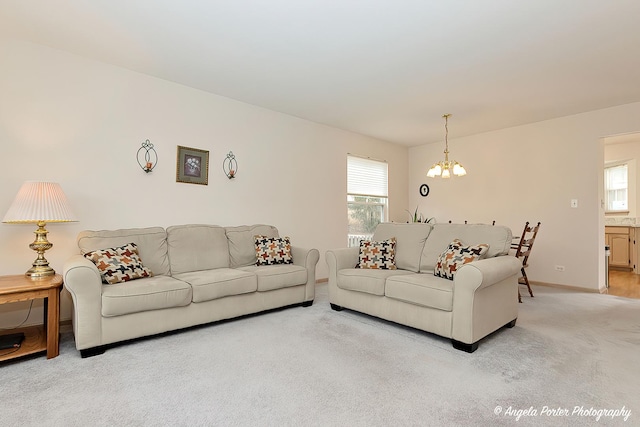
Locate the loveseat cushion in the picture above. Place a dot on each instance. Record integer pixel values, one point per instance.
(117, 265)
(377, 254)
(273, 250)
(151, 293)
(370, 281)
(457, 255)
(496, 236)
(272, 277)
(196, 247)
(218, 283)
(151, 243)
(242, 247)
(410, 240)
(421, 289)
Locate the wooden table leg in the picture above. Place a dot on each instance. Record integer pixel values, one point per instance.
(53, 322)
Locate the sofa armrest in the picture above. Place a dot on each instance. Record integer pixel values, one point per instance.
(82, 280)
(485, 297)
(307, 258)
(486, 272)
(339, 259)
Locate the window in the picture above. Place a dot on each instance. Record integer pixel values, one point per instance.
(367, 182)
(616, 188)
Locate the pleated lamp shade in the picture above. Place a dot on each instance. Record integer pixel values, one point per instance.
(39, 202)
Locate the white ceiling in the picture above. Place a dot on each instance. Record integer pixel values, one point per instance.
(384, 68)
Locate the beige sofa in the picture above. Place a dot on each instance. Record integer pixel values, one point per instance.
(482, 298)
(201, 274)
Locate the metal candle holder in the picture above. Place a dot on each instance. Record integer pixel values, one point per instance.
(147, 156)
(230, 165)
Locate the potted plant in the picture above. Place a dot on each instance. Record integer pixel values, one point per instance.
(415, 217)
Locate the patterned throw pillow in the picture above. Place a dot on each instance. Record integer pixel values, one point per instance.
(273, 250)
(457, 255)
(120, 264)
(378, 255)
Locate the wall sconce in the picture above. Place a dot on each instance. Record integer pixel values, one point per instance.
(230, 165)
(147, 156)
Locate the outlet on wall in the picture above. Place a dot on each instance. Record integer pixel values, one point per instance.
(559, 267)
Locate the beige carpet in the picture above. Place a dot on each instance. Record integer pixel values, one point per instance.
(570, 352)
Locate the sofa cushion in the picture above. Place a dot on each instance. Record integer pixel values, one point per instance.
(277, 276)
(151, 243)
(496, 236)
(272, 250)
(242, 249)
(421, 289)
(117, 265)
(377, 255)
(221, 282)
(152, 293)
(370, 281)
(196, 247)
(457, 255)
(410, 240)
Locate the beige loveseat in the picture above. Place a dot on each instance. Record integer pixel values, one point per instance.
(201, 274)
(482, 298)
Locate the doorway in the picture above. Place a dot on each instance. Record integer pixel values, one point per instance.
(626, 148)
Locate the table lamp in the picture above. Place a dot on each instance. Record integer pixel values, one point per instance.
(39, 203)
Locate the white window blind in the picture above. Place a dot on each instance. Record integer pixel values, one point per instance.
(366, 177)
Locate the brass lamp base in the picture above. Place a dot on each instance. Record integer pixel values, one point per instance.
(37, 272)
(40, 245)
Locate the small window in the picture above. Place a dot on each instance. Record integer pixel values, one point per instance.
(367, 197)
(616, 188)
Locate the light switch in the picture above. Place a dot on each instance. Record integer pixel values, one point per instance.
(574, 203)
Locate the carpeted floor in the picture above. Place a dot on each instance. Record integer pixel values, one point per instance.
(572, 352)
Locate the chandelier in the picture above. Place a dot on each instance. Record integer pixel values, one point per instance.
(445, 168)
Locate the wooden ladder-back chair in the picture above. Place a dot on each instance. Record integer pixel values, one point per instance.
(523, 250)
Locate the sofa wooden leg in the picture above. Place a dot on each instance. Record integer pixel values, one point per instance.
(469, 348)
(512, 323)
(307, 303)
(336, 307)
(94, 351)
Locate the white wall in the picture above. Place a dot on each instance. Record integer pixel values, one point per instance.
(79, 122)
(530, 173)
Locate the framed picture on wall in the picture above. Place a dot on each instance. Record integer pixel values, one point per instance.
(192, 166)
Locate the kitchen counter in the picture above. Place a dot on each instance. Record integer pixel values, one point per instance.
(622, 222)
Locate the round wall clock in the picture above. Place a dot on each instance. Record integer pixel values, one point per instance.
(424, 190)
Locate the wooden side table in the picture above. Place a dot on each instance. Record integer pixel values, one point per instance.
(37, 338)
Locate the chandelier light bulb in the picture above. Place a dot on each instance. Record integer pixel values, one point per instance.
(458, 170)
